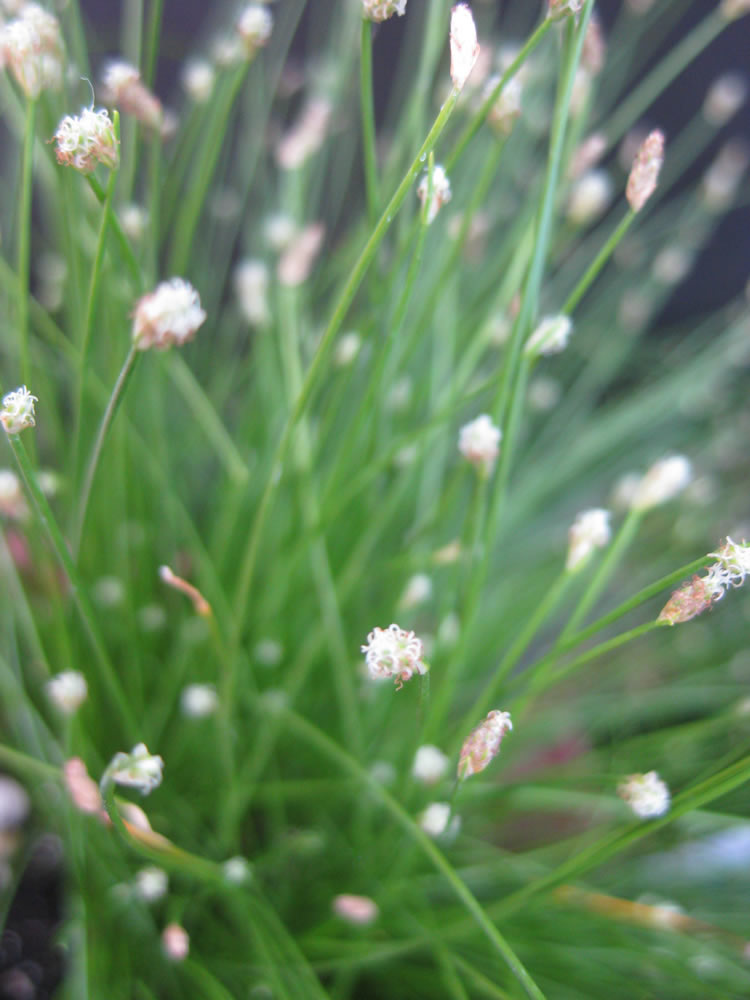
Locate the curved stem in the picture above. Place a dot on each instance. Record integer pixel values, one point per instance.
(368, 121)
(597, 264)
(109, 413)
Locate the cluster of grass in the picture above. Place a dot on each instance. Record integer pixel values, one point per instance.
(297, 463)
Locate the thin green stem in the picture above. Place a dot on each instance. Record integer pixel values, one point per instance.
(24, 239)
(107, 418)
(122, 240)
(107, 672)
(317, 365)
(367, 105)
(310, 734)
(597, 264)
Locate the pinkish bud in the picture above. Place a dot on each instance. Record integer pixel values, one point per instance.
(645, 171)
(175, 942)
(463, 43)
(357, 910)
(483, 744)
(124, 88)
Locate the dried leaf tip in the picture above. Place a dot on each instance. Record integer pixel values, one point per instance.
(464, 44)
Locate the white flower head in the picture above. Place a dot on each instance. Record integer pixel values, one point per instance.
(268, 652)
(347, 349)
(436, 820)
(645, 171)
(137, 769)
(85, 140)
(730, 10)
(17, 413)
(483, 743)
(12, 501)
(170, 314)
(67, 691)
(357, 910)
(430, 764)
(251, 288)
(134, 220)
(151, 884)
(507, 106)
(589, 531)
(198, 78)
(725, 97)
(550, 337)
(237, 870)
(175, 942)
(440, 194)
(479, 442)
(31, 45)
(463, 43)
(254, 27)
(646, 794)
(381, 10)
(394, 652)
(418, 590)
(589, 198)
(199, 700)
(663, 481)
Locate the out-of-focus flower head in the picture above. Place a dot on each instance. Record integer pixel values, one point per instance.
(394, 652)
(171, 314)
(82, 141)
(482, 744)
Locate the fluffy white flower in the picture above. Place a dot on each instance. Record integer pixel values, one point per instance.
(550, 337)
(430, 764)
(394, 652)
(479, 442)
(170, 314)
(67, 691)
(151, 884)
(18, 410)
(463, 43)
(85, 140)
(662, 482)
(357, 910)
(441, 191)
(381, 10)
(199, 700)
(137, 769)
(646, 794)
(254, 27)
(589, 531)
(418, 590)
(701, 592)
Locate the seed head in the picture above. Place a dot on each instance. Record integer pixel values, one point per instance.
(506, 107)
(646, 794)
(251, 288)
(31, 45)
(589, 531)
(550, 337)
(198, 78)
(559, 9)
(175, 942)
(483, 743)
(296, 263)
(394, 652)
(479, 442)
(463, 43)
(440, 194)
(137, 769)
(85, 140)
(151, 884)
(645, 171)
(199, 700)
(357, 910)
(18, 410)
(694, 597)
(430, 764)
(730, 10)
(381, 10)
(171, 314)
(725, 97)
(589, 197)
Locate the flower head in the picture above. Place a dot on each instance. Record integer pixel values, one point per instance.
(82, 789)
(418, 590)
(198, 78)
(125, 89)
(18, 410)
(483, 743)
(175, 942)
(137, 769)
(237, 870)
(199, 700)
(507, 105)
(87, 139)
(663, 481)
(251, 288)
(357, 910)
(31, 45)
(254, 27)
(436, 820)
(645, 171)
(646, 794)
(170, 314)
(550, 337)
(381, 10)
(430, 764)
(730, 10)
(479, 442)
(12, 501)
(394, 652)
(559, 9)
(463, 43)
(67, 691)
(694, 597)
(151, 884)
(439, 195)
(589, 531)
